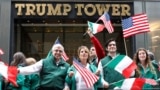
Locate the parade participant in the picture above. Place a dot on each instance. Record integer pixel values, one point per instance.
(96, 50)
(93, 56)
(18, 60)
(145, 68)
(109, 74)
(75, 80)
(52, 70)
(1, 82)
(33, 82)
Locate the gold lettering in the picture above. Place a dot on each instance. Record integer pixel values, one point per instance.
(19, 7)
(86, 9)
(40, 9)
(115, 9)
(67, 8)
(125, 10)
(79, 7)
(54, 11)
(30, 9)
(101, 8)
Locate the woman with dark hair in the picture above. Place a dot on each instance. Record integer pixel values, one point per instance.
(18, 60)
(145, 68)
(74, 79)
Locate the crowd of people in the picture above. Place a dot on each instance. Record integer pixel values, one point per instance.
(54, 73)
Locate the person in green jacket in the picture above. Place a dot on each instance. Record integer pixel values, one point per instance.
(18, 60)
(33, 78)
(156, 64)
(75, 80)
(109, 74)
(96, 49)
(52, 70)
(1, 82)
(145, 68)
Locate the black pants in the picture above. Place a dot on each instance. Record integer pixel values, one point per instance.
(48, 88)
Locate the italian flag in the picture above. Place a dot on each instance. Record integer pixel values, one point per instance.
(123, 64)
(9, 73)
(95, 28)
(130, 84)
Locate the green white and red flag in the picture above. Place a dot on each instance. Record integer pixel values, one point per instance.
(134, 83)
(130, 84)
(9, 73)
(122, 64)
(95, 28)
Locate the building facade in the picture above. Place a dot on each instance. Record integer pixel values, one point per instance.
(32, 26)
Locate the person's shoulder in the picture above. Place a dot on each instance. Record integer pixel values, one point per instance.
(105, 58)
(91, 65)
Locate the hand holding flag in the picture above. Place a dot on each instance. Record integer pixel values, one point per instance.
(95, 28)
(87, 75)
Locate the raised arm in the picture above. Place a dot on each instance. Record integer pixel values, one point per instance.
(99, 49)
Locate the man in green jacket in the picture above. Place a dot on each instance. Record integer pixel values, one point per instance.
(52, 69)
(109, 74)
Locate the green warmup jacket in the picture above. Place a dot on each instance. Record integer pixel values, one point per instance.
(109, 74)
(71, 81)
(1, 82)
(147, 74)
(157, 68)
(53, 76)
(94, 62)
(32, 81)
(21, 81)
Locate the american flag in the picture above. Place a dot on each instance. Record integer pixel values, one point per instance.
(107, 23)
(135, 24)
(87, 75)
(64, 55)
(1, 52)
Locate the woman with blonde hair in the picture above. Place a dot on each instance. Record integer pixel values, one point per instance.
(33, 78)
(74, 79)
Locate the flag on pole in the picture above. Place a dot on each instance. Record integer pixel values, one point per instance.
(107, 22)
(130, 84)
(122, 64)
(1, 52)
(135, 25)
(64, 55)
(9, 73)
(95, 28)
(89, 78)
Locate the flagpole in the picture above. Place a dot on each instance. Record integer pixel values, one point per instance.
(125, 46)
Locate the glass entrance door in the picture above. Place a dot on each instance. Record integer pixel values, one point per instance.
(35, 39)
